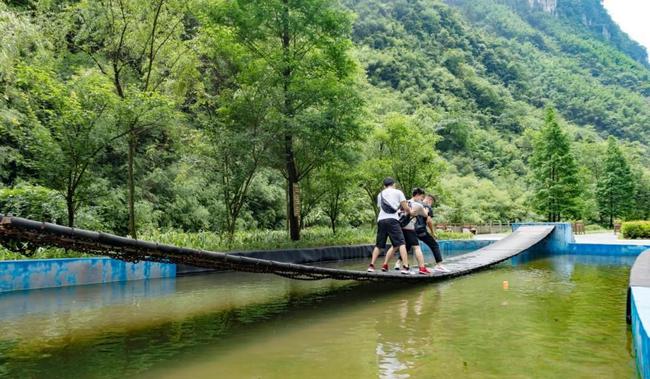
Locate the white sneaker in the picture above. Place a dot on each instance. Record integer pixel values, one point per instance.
(406, 271)
(371, 268)
(398, 264)
(441, 268)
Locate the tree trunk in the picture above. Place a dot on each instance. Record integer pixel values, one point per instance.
(69, 201)
(131, 184)
(293, 206)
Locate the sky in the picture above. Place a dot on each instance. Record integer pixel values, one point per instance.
(633, 16)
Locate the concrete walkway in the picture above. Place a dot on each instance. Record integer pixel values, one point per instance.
(493, 236)
(607, 238)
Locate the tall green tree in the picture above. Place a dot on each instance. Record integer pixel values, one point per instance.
(141, 47)
(74, 117)
(233, 114)
(616, 187)
(304, 48)
(555, 172)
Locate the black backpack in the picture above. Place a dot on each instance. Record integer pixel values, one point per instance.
(421, 223)
(405, 218)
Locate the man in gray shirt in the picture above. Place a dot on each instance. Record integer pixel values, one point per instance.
(390, 201)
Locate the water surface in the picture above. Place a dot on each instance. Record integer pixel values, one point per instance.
(559, 317)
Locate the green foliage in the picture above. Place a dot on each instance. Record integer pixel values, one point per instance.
(34, 202)
(555, 172)
(469, 200)
(299, 50)
(195, 116)
(636, 229)
(615, 189)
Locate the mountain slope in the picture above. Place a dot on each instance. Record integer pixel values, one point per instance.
(492, 65)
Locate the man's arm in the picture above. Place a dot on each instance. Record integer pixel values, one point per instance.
(430, 225)
(405, 206)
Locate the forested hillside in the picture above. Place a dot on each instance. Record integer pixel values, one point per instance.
(245, 115)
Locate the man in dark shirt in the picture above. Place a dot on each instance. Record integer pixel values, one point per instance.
(421, 226)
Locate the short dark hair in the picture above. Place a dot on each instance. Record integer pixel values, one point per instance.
(417, 191)
(388, 182)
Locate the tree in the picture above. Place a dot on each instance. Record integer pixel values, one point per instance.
(238, 144)
(615, 188)
(337, 180)
(73, 116)
(303, 46)
(409, 147)
(233, 114)
(641, 209)
(140, 47)
(555, 172)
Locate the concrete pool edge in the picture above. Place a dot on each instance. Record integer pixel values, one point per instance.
(638, 312)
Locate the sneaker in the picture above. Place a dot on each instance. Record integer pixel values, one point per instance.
(424, 271)
(441, 268)
(384, 267)
(406, 271)
(398, 264)
(371, 268)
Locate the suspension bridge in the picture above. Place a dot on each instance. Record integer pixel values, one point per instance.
(20, 234)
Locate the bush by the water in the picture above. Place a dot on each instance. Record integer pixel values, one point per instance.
(249, 240)
(636, 229)
(34, 202)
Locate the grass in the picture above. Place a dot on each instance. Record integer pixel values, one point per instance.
(245, 240)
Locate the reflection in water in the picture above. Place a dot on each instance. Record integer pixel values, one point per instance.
(559, 317)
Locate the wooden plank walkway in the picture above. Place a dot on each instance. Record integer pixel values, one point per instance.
(20, 233)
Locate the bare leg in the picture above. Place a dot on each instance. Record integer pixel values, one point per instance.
(402, 253)
(419, 256)
(389, 255)
(375, 254)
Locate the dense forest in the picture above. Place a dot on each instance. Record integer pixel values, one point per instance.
(223, 116)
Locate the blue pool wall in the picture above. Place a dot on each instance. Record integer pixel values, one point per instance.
(640, 317)
(449, 247)
(639, 312)
(45, 273)
(558, 242)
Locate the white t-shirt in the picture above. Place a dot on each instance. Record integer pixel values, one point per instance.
(393, 197)
(419, 211)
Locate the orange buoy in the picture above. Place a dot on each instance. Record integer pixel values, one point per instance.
(506, 285)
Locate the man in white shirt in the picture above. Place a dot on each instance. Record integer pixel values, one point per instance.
(390, 201)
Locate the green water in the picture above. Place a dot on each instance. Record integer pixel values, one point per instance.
(560, 317)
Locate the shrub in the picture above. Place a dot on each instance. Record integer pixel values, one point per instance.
(33, 202)
(636, 229)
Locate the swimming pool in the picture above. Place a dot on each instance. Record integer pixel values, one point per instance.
(558, 316)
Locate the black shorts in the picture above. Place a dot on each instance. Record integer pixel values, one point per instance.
(411, 238)
(389, 228)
